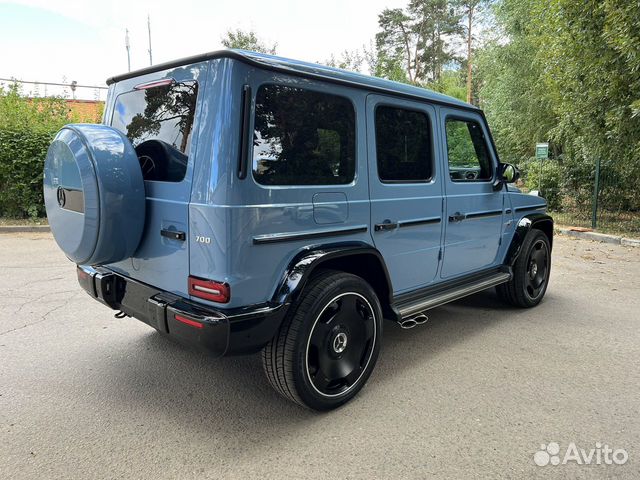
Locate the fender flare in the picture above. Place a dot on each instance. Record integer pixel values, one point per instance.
(540, 221)
(302, 266)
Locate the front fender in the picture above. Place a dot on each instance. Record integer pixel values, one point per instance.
(541, 221)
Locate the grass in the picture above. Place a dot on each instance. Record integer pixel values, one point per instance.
(23, 221)
(616, 223)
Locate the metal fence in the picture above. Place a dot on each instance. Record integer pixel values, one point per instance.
(597, 195)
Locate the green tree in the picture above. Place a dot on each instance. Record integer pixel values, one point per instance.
(511, 87)
(568, 72)
(247, 41)
(472, 13)
(348, 60)
(416, 38)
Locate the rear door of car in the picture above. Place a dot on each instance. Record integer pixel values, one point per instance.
(159, 114)
(405, 189)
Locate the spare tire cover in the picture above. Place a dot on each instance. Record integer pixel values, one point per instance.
(94, 194)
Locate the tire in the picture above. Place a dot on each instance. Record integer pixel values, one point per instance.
(335, 327)
(530, 272)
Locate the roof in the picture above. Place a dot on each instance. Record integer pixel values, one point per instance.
(306, 69)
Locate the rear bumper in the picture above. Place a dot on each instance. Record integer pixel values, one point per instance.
(216, 331)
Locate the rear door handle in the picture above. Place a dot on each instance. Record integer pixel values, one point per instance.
(457, 217)
(385, 226)
(173, 234)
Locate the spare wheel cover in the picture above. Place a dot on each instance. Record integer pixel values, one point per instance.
(94, 194)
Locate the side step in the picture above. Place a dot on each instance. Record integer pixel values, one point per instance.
(441, 297)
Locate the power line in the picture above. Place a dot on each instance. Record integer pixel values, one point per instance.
(72, 85)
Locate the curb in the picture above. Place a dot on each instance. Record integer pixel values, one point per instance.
(630, 242)
(24, 228)
(600, 237)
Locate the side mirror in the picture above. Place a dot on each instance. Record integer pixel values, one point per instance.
(507, 173)
(510, 173)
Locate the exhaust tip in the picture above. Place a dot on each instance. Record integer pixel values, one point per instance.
(414, 321)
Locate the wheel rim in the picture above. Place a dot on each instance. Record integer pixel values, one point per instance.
(340, 344)
(537, 269)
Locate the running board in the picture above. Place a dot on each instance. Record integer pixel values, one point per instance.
(454, 293)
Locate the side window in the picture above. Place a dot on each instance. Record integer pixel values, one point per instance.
(469, 159)
(303, 137)
(158, 121)
(403, 145)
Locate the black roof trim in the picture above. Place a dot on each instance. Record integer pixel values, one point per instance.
(255, 61)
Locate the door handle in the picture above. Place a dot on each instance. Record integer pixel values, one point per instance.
(457, 217)
(385, 226)
(173, 234)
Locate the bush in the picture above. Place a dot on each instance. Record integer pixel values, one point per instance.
(27, 127)
(22, 156)
(550, 184)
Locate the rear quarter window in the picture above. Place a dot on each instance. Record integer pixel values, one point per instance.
(159, 121)
(303, 137)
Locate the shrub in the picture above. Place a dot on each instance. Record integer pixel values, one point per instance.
(547, 178)
(27, 126)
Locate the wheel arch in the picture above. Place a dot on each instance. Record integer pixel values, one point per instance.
(358, 259)
(533, 221)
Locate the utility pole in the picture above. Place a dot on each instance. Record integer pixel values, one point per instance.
(128, 47)
(149, 29)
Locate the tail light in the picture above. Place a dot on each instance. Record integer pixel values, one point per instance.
(209, 290)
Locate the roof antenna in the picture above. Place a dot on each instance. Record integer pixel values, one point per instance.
(149, 29)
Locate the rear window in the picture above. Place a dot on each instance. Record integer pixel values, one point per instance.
(303, 137)
(158, 121)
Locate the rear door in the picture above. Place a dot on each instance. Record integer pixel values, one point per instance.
(473, 208)
(405, 189)
(159, 114)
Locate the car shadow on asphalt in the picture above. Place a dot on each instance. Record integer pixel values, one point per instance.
(230, 396)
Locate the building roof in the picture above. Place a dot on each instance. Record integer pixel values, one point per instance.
(306, 69)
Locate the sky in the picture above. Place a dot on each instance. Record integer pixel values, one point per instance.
(83, 40)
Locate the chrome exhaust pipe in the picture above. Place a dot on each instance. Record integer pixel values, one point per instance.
(419, 319)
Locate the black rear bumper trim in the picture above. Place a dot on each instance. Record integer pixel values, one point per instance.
(222, 332)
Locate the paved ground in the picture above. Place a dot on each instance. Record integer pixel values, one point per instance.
(472, 394)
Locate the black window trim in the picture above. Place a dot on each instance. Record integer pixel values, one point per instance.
(417, 109)
(193, 128)
(315, 87)
(488, 141)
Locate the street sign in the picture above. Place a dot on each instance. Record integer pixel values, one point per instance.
(542, 151)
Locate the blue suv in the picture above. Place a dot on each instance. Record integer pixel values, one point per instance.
(242, 202)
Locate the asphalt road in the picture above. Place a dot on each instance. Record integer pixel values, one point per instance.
(472, 394)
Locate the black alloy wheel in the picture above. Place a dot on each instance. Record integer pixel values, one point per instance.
(341, 344)
(328, 344)
(537, 267)
(530, 272)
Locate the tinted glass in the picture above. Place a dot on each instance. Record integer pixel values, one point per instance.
(303, 137)
(403, 145)
(469, 158)
(158, 122)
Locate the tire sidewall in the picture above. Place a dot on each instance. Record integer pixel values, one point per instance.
(344, 283)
